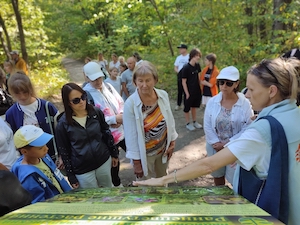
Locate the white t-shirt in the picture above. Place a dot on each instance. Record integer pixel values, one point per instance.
(8, 152)
(29, 114)
(115, 83)
(103, 64)
(251, 150)
(181, 61)
(112, 64)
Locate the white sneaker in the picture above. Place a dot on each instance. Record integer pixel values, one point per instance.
(120, 186)
(197, 125)
(190, 127)
(177, 107)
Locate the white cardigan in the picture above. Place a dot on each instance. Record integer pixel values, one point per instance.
(133, 123)
(240, 117)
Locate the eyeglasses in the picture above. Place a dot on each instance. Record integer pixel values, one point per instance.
(76, 101)
(228, 83)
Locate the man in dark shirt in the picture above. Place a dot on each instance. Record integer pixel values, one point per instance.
(191, 86)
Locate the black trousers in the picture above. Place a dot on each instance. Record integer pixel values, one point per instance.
(115, 170)
(179, 90)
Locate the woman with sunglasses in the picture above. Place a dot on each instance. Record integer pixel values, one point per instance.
(268, 151)
(85, 141)
(226, 116)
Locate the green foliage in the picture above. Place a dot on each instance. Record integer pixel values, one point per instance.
(167, 78)
(240, 33)
(48, 79)
(44, 55)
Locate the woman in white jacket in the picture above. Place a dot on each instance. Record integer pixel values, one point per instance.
(226, 116)
(148, 124)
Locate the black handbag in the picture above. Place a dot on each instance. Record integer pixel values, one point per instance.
(6, 101)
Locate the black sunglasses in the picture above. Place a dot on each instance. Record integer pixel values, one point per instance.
(76, 101)
(265, 63)
(228, 83)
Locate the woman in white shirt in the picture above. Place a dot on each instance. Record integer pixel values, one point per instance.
(149, 125)
(226, 116)
(272, 90)
(8, 152)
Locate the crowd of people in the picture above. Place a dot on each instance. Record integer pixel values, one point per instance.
(119, 108)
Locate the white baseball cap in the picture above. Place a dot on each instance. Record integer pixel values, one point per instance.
(31, 135)
(92, 70)
(14, 52)
(229, 73)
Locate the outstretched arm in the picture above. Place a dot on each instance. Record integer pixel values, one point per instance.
(196, 169)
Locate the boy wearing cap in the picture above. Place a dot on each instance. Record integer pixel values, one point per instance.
(35, 169)
(180, 61)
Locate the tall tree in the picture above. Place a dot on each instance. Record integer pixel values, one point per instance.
(262, 7)
(4, 29)
(15, 4)
(4, 44)
(161, 19)
(277, 10)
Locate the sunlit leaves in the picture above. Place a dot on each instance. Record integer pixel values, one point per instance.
(84, 27)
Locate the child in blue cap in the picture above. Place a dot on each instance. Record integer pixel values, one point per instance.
(35, 169)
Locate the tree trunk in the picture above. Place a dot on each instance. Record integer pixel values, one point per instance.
(4, 44)
(163, 24)
(279, 6)
(262, 22)
(3, 27)
(248, 11)
(15, 5)
(277, 25)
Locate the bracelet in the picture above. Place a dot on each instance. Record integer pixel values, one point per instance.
(175, 178)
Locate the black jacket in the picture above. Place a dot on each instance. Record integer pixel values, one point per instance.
(84, 149)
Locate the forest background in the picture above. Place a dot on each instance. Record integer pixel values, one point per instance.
(239, 32)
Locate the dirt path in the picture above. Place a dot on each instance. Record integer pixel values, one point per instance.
(190, 145)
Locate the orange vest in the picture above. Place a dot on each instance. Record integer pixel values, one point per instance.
(21, 65)
(213, 80)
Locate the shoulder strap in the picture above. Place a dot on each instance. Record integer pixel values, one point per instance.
(51, 129)
(278, 173)
(271, 194)
(108, 87)
(90, 98)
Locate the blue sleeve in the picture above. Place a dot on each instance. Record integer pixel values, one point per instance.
(34, 188)
(52, 109)
(12, 118)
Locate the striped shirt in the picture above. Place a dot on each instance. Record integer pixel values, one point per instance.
(155, 128)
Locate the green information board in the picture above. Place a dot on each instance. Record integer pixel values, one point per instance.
(143, 205)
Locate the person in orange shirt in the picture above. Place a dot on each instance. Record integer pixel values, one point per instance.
(208, 78)
(20, 63)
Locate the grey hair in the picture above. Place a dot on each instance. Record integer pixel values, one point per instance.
(144, 68)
